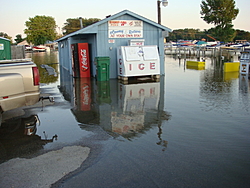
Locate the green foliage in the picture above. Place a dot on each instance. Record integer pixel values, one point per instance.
(40, 29)
(196, 34)
(73, 24)
(225, 34)
(220, 13)
(242, 35)
(45, 77)
(47, 59)
(5, 35)
(19, 38)
(186, 34)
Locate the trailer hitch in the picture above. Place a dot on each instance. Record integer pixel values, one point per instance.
(50, 98)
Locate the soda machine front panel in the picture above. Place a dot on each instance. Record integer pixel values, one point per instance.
(84, 62)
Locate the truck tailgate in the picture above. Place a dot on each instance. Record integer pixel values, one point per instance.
(12, 91)
(11, 84)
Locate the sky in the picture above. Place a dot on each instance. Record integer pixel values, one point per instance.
(179, 14)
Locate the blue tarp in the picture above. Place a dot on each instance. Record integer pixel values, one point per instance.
(201, 43)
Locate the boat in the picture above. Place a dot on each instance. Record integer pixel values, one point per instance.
(28, 47)
(39, 48)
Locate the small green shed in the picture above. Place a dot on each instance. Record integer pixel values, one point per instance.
(5, 49)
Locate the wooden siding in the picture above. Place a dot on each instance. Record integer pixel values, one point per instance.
(97, 36)
(151, 35)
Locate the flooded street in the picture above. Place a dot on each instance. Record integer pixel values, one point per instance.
(190, 129)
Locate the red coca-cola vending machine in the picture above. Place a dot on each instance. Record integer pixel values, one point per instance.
(80, 60)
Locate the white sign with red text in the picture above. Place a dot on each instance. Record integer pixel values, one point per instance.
(125, 29)
(138, 61)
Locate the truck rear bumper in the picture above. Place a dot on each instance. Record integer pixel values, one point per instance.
(16, 101)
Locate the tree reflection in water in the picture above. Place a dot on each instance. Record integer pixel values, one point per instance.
(49, 59)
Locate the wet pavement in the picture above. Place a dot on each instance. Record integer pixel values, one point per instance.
(190, 129)
(43, 170)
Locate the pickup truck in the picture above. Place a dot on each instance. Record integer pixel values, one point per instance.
(19, 84)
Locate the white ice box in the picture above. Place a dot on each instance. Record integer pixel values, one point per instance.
(138, 61)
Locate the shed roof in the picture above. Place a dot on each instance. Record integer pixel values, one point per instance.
(91, 29)
(4, 38)
(24, 43)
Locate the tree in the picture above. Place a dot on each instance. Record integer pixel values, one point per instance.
(196, 34)
(226, 33)
(74, 24)
(59, 36)
(19, 38)
(242, 35)
(5, 35)
(220, 13)
(40, 29)
(186, 34)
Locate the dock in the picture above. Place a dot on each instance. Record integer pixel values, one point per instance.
(183, 52)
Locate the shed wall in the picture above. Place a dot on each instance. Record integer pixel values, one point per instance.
(5, 49)
(151, 34)
(64, 48)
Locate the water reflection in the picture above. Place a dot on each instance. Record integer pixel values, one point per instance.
(214, 91)
(85, 107)
(197, 67)
(231, 76)
(18, 137)
(244, 87)
(45, 58)
(244, 84)
(198, 142)
(138, 108)
(126, 110)
(217, 88)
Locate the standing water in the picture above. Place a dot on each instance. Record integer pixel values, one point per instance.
(190, 129)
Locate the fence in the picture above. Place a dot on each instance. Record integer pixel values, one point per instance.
(17, 52)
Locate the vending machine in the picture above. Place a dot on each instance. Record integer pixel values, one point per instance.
(138, 61)
(80, 60)
(244, 62)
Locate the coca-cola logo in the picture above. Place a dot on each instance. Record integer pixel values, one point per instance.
(85, 92)
(84, 60)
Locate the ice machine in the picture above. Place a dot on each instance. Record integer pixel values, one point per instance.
(138, 61)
